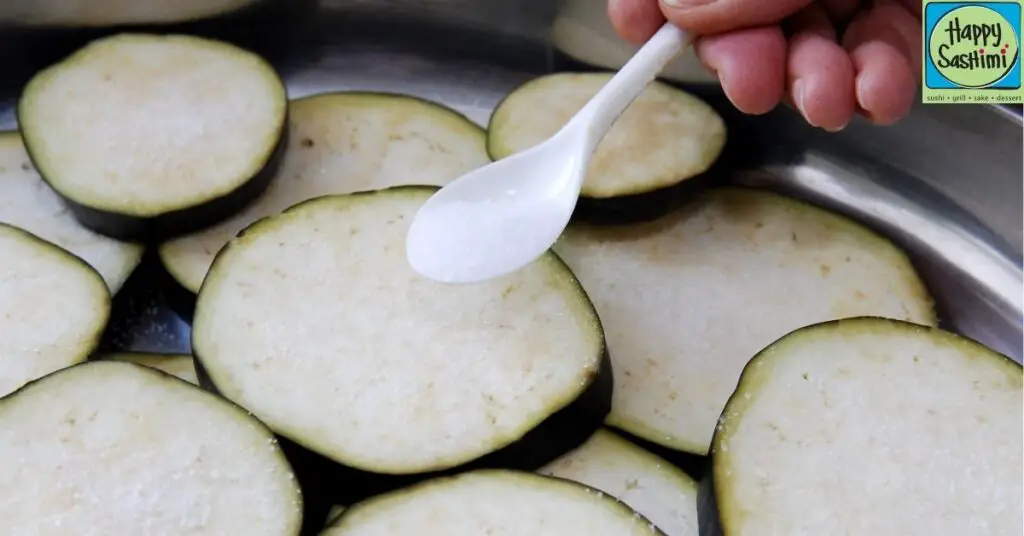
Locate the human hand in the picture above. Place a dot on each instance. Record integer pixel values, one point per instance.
(828, 58)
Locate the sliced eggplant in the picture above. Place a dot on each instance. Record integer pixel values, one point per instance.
(342, 143)
(723, 277)
(493, 502)
(314, 321)
(666, 138)
(92, 13)
(870, 426)
(154, 135)
(26, 201)
(335, 513)
(179, 365)
(646, 483)
(53, 308)
(116, 448)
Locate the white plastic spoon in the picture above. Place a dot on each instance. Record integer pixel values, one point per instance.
(502, 216)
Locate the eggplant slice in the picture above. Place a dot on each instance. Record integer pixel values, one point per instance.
(53, 308)
(116, 448)
(97, 13)
(646, 483)
(493, 502)
(315, 322)
(664, 138)
(721, 278)
(155, 135)
(870, 426)
(27, 202)
(340, 143)
(180, 366)
(335, 513)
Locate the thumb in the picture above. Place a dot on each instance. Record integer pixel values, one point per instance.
(705, 17)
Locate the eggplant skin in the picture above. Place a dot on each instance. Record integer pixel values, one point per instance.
(650, 205)
(179, 299)
(156, 360)
(646, 206)
(709, 516)
(292, 182)
(640, 203)
(212, 399)
(523, 481)
(93, 338)
(319, 475)
(46, 16)
(562, 432)
(178, 222)
(320, 479)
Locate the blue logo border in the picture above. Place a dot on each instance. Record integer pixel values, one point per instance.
(933, 11)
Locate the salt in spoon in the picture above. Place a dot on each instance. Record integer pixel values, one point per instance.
(503, 216)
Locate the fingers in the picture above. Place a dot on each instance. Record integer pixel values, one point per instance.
(707, 17)
(820, 73)
(902, 29)
(840, 11)
(913, 6)
(750, 64)
(874, 71)
(635, 20)
(883, 45)
(885, 86)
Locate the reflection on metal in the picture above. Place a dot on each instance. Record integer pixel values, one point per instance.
(946, 184)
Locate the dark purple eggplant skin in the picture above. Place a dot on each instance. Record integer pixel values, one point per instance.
(708, 520)
(647, 206)
(694, 465)
(175, 223)
(263, 11)
(180, 299)
(327, 482)
(331, 482)
(653, 204)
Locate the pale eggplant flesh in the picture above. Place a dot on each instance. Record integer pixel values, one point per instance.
(687, 299)
(54, 308)
(869, 426)
(493, 502)
(147, 136)
(313, 320)
(105, 448)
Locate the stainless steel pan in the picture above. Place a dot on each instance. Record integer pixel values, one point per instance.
(946, 183)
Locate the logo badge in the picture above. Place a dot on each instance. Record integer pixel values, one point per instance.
(972, 52)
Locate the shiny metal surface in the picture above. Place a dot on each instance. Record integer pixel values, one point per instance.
(946, 184)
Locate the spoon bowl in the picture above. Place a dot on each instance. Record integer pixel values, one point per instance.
(501, 217)
(456, 236)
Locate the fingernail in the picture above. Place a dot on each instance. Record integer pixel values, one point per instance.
(860, 89)
(685, 4)
(860, 92)
(798, 100)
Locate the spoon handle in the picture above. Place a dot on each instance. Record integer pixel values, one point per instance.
(608, 104)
